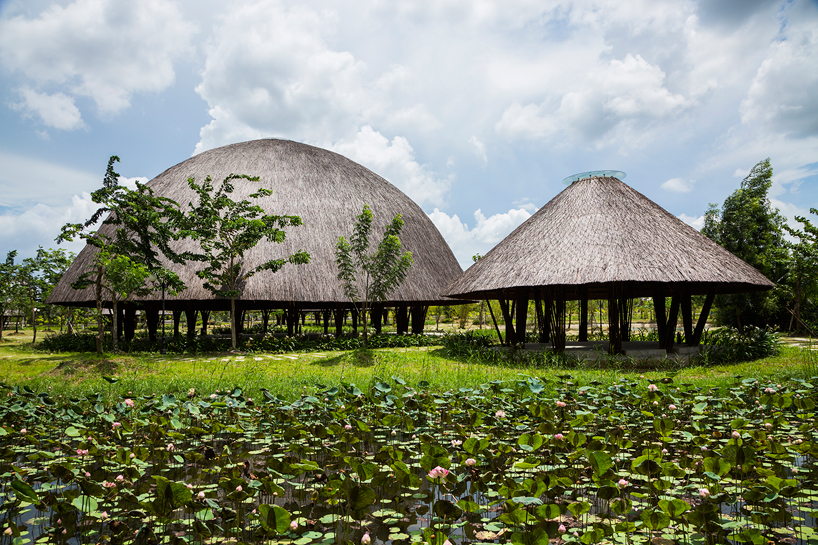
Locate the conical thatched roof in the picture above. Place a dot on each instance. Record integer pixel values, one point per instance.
(327, 191)
(598, 232)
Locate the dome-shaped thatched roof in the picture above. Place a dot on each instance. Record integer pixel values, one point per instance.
(327, 191)
(598, 232)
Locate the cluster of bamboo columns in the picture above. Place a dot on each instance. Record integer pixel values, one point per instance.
(549, 303)
(406, 316)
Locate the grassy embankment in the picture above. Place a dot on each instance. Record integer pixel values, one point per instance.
(287, 375)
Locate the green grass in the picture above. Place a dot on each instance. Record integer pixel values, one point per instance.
(287, 376)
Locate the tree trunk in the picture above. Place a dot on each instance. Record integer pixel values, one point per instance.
(205, 318)
(100, 325)
(233, 321)
(364, 312)
(190, 318)
(115, 324)
(33, 323)
(130, 319)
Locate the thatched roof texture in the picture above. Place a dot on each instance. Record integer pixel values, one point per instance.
(327, 191)
(599, 232)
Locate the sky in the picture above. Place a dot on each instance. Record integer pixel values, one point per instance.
(476, 109)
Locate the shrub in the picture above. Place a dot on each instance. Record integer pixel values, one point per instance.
(68, 342)
(729, 345)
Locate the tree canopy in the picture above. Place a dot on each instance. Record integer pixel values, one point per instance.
(366, 276)
(225, 229)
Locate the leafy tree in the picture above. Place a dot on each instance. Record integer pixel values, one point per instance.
(142, 227)
(36, 277)
(368, 277)
(803, 266)
(226, 229)
(8, 272)
(749, 227)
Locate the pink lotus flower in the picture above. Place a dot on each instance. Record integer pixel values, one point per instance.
(82, 451)
(623, 483)
(238, 488)
(189, 486)
(170, 447)
(562, 529)
(348, 427)
(470, 462)
(103, 515)
(294, 525)
(704, 493)
(129, 402)
(500, 414)
(768, 425)
(24, 431)
(736, 435)
(132, 456)
(120, 478)
(366, 540)
(560, 404)
(438, 472)
(201, 495)
(116, 425)
(559, 436)
(456, 442)
(653, 388)
(672, 407)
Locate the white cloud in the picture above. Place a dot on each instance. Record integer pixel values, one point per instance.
(270, 71)
(103, 49)
(130, 183)
(612, 101)
(25, 181)
(40, 225)
(783, 95)
(696, 222)
(678, 185)
(395, 161)
(479, 151)
(57, 111)
(481, 238)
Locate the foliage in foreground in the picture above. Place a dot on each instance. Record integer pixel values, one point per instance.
(504, 462)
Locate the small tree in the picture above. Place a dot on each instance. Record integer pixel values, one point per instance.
(803, 262)
(36, 277)
(369, 277)
(8, 272)
(142, 227)
(225, 230)
(750, 228)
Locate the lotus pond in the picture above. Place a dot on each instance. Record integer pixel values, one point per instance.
(508, 462)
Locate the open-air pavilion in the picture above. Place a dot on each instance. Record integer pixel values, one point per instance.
(601, 239)
(327, 191)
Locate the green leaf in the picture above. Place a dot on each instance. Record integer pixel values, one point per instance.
(84, 503)
(448, 510)
(600, 461)
(24, 490)
(655, 519)
(274, 518)
(674, 508)
(360, 496)
(579, 508)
